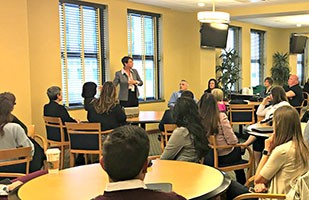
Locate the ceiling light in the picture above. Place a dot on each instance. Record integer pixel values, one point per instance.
(213, 16)
(298, 25)
(200, 4)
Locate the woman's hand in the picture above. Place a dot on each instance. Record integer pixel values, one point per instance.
(132, 82)
(266, 100)
(260, 187)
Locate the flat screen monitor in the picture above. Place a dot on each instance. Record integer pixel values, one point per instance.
(297, 43)
(214, 35)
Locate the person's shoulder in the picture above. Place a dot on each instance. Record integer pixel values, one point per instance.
(181, 131)
(163, 195)
(283, 148)
(14, 126)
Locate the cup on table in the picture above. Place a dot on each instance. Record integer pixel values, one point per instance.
(53, 160)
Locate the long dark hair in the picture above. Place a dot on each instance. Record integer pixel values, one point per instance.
(216, 85)
(209, 112)
(107, 99)
(6, 107)
(278, 94)
(186, 115)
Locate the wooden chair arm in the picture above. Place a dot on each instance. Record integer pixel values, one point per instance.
(154, 157)
(43, 140)
(10, 175)
(249, 180)
(259, 195)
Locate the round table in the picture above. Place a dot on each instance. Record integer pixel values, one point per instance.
(85, 182)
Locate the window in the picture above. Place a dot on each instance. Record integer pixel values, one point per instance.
(257, 57)
(233, 42)
(143, 46)
(301, 68)
(82, 47)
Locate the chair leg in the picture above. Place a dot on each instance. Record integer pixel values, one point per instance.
(72, 159)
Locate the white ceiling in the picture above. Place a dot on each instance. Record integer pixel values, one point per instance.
(284, 21)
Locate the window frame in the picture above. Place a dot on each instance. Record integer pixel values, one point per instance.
(156, 56)
(101, 47)
(261, 59)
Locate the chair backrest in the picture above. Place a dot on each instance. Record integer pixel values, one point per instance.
(213, 144)
(55, 130)
(168, 130)
(13, 157)
(241, 113)
(306, 99)
(85, 136)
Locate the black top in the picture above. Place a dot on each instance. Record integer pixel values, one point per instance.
(17, 121)
(298, 98)
(166, 119)
(306, 87)
(53, 109)
(114, 118)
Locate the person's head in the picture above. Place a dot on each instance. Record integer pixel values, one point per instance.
(212, 83)
(209, 112)
(127, 62)
(293, 80)
(287, 128)
(183, 85)
(10, 96)
(268, 82)
(278, 95)
(89, 90)
(107, 98)
(54, 93)
(187, 94)
(218, 94)
(6, 107)
(125, 153)
(186, 115)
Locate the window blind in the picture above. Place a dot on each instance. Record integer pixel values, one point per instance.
(257, 57)
(82, 52)
(143, 46)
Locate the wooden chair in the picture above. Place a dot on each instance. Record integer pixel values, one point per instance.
(56, 135)
(32, 134)
(241, 165)
(303, 105)
(13, 157)
(85, 138)
(241, 114)
(168, 130)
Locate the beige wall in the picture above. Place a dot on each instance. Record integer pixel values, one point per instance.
(31, 32)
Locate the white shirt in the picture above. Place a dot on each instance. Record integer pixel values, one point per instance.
(125, 185)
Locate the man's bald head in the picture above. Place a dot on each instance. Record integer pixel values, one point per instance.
(293, 80)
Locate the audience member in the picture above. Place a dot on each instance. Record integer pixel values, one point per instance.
(53, 108)
(268, 83)
(88, 93)
(306, 133)
(12, 135)
(188, 141)
(39, 156)
(219, 126)
(294, 93)
(212, 84)
(106, 109)
(218, 94)
(285, 156)
(125, 153)
(167, 116)
(129, 79)
(183, 86)
(276, 99)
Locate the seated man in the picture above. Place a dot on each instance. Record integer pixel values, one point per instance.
(183, 86)
(125, 159)
(53, 108)
(294, 93)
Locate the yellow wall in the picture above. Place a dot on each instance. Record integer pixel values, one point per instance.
(31, 32)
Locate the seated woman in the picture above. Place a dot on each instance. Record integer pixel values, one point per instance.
(106, 109)
(188, 141)
(276, 99)
(88, 93)
(219, 125)
(218, 94)
(39, 156)
(212, 83)
(11, 134)
(285, 156)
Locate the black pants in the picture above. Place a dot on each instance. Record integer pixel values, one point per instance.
(132, 100)
(230, 159)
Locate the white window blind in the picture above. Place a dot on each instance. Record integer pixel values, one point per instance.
(82, 49)
(301, 68)
(143, 46)
(257, 57)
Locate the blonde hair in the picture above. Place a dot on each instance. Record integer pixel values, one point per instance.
(218, 94)
(287, 128)
(107, 99)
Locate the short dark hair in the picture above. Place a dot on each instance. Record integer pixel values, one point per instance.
(269, 79)
(187, 94)
(52, 92)
(89, 89)
(125, 151)
(126, 59)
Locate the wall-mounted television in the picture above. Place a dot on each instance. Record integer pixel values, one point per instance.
(297, 43)
(214, 35)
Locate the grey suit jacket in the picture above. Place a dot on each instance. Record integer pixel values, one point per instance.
(122, 79)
